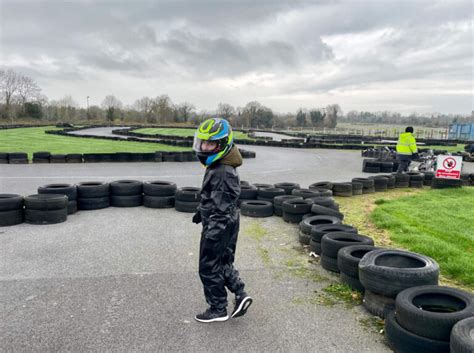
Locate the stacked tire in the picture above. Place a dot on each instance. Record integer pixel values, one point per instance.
(348, 259)
(287, 187)
(3, 158)
(319, 210)
(416, 179)
(461, 340)
(46, 208)
(256, 208)
(428, 179)
(62, 189)
(294, 210)
(342, 189)
(424, 318)
(41, 157)
(278, 203)
(370, 166)
(442, 183)
(268, 194)
(317, 233)
(384, 273)
(368, 185)
(159, 194)
(402, 180)
(126, 193)
(18, 158)
(331, 243)
(93, 195)
(380, 183)
(11, 209)
(312, 221)
(187, 199)
(247, 193)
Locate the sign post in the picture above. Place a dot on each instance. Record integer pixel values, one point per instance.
(449, 167)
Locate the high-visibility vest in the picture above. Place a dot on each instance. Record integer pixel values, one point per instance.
(406, 144)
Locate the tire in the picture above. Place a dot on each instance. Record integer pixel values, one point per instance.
(308, 223)
(329, 263)
(248, 192)
(325, 201)
(57, 158)
(416, 184)
(244, 183)
(303, 238)
(297, 206)
(403, 341)
(321, 185)
(93, 203)
(263, 186)
(366, 182)
(277, 210)
(278, 200)
(92, 189)
(158, 201)
(71, 207)
(10, 202)
(63, 189)
(342, 188)
(159, 188)
(46, 202)
(415, 176)
(126, 201)
(185, 206)
(388, 272)
(440, 183)
(352, 282)
(288, 187)
(371, 169)
(317, 232)
(376, 304)
(255, 208)
(33, 216)
(441, 308)
(461, 336)
(74, 158)
(188, 194)
(11, 217)
(348, 258)
(380, 183)
(368, 191)
(326, 211)
(270, 193)
(126, 188)
(331, 243)
(42, 154)
(292, 217)
(315, 247)
(306, 193)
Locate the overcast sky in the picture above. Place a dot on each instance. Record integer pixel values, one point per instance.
(403, 55)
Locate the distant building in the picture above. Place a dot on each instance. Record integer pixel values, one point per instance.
(461, 131)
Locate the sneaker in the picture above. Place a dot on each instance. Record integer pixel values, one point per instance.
(242, 303)
(211, 315)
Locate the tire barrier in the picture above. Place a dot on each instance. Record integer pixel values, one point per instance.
(93, 195)
(11, 209)
(278, 203)
(288, 187)
(62, 189)
(126, 193)
(268, 194)
(348, 259)
(46, 208)
(461, 336)
(380, 183)
(441, 183)
(187, 199)
(294, 209)
(159, 194)
(368, 185)
(342, 189)
(256, 208)
(308, 222)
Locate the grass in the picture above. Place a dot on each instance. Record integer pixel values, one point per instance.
(437, 223)
(35, 139)
(183, 132)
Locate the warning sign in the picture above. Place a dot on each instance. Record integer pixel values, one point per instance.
(449, 167)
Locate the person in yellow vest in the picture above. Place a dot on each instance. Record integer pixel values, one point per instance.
(406, 149)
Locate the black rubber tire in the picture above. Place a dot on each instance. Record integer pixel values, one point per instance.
(256, 208)
(126, 201)
(306, 193)
(159, 188)
(93, 203)
(297, 206)
(188, 194)
(10, 202)
(403, 341)
(441, 308)
(277, 210)
(416, 184)
(71, 207)
(368, 191)
(326, 211)
(317, 232)
(331, 243)
(326, 201)
(342, 188)
(329, 263)
(292, 217)
(263, 186)
(308, 223)
(11, 217)
(185, 206)
(315, 247)
(388, 272)
(371, 169)
(248, 192)
(321, 185)
(63, 189)
(352, 282)
(33, 216)
(461, 336)
(158, 201)
(377, 304)
(303, 238)
(270, 193)
(46, 202)
(348, 258)
(244, 183)
(440, 183)
(57, 158)
(287, 187)
(41, 154)
(92, 189)
(126, 188)
(278, 200)
(416, 176)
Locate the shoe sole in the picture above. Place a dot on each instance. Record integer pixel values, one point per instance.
(242, 309)
(217, 319)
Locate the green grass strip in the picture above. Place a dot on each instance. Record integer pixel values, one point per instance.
(437, 223)
(183, 132)
(34, 139)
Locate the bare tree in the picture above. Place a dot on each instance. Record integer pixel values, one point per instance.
(9, 81)
(27, 89)
(147, 106)
(184, 111)
(164, 108)
(332, 113)
(225, 111)
(112, 105)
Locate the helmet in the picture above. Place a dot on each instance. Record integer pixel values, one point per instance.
(213, 140)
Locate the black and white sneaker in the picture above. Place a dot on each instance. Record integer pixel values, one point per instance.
(211, 315)
(242, 303)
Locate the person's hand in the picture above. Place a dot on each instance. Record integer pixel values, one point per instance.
(197, 217)
(415, 156)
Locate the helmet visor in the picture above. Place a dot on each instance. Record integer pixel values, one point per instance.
(205, 146)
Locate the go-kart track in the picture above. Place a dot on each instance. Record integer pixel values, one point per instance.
(125, 279)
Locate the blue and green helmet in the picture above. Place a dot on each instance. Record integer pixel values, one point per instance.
(214, 130)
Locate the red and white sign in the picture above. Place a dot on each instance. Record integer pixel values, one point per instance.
(449, 167)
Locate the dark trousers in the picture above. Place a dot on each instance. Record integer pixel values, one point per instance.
(404, 162)
(216, 266)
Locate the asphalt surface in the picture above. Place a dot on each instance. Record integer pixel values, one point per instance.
(126, 279)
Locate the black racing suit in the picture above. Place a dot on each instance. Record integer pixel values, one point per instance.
(220, 220)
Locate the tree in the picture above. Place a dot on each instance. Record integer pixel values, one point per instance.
(317, 117)
(300, 118)
(164, 108)
(9, 82)
(256, 115)
(112, 106)
(27, 89)
(184, 111)
(225, 111)
(147, 106)
(332, 112)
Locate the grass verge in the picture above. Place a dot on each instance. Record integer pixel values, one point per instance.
(183, 132)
